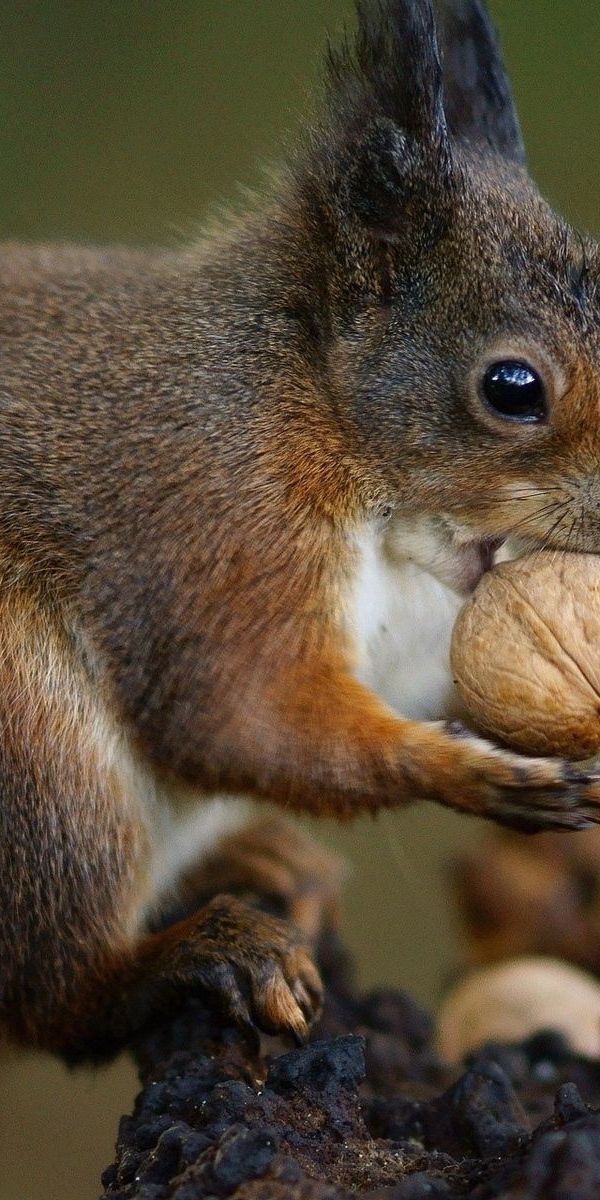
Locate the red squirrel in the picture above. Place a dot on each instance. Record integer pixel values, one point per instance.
(245, 487)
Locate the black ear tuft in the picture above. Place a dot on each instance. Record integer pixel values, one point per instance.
(386, 109)
(478, 97)
(392, 69)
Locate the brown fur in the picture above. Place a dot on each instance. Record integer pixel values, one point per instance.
(274, 860)
(189, 444)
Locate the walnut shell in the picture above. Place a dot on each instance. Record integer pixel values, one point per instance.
(513, 1000)
(526, 654)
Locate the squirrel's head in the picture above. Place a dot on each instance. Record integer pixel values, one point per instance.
(463, 316)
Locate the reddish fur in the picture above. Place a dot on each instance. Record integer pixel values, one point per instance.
(189, 444)
(72, 845)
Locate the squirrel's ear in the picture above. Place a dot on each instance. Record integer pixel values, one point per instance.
(388, 178)
(391, 68)
(386, 99)
(478, 98)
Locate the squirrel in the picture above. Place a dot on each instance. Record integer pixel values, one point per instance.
(245, 488)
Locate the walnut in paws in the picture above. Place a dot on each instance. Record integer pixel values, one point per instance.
(526, 654)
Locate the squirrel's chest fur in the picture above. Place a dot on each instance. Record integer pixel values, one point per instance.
(401, 618)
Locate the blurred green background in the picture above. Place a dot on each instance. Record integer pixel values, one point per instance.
(132, 121)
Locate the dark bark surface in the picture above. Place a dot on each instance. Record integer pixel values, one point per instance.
(366, 1108)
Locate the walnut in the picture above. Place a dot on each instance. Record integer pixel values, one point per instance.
(526, 654)
(514, 1000)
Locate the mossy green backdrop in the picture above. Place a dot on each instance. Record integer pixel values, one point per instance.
(132, 121)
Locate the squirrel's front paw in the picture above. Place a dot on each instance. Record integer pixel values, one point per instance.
(255, 968)
(528, 794)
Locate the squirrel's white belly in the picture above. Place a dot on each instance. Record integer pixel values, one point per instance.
(402, 619)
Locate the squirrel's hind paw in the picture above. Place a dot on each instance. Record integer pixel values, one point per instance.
(254, 968)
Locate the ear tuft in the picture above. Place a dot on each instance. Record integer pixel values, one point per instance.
(478, 98)
(392, 69)
(386, 110)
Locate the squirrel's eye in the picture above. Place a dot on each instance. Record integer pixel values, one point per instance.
(515, 391)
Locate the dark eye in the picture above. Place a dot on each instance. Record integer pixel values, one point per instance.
(515, 391)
